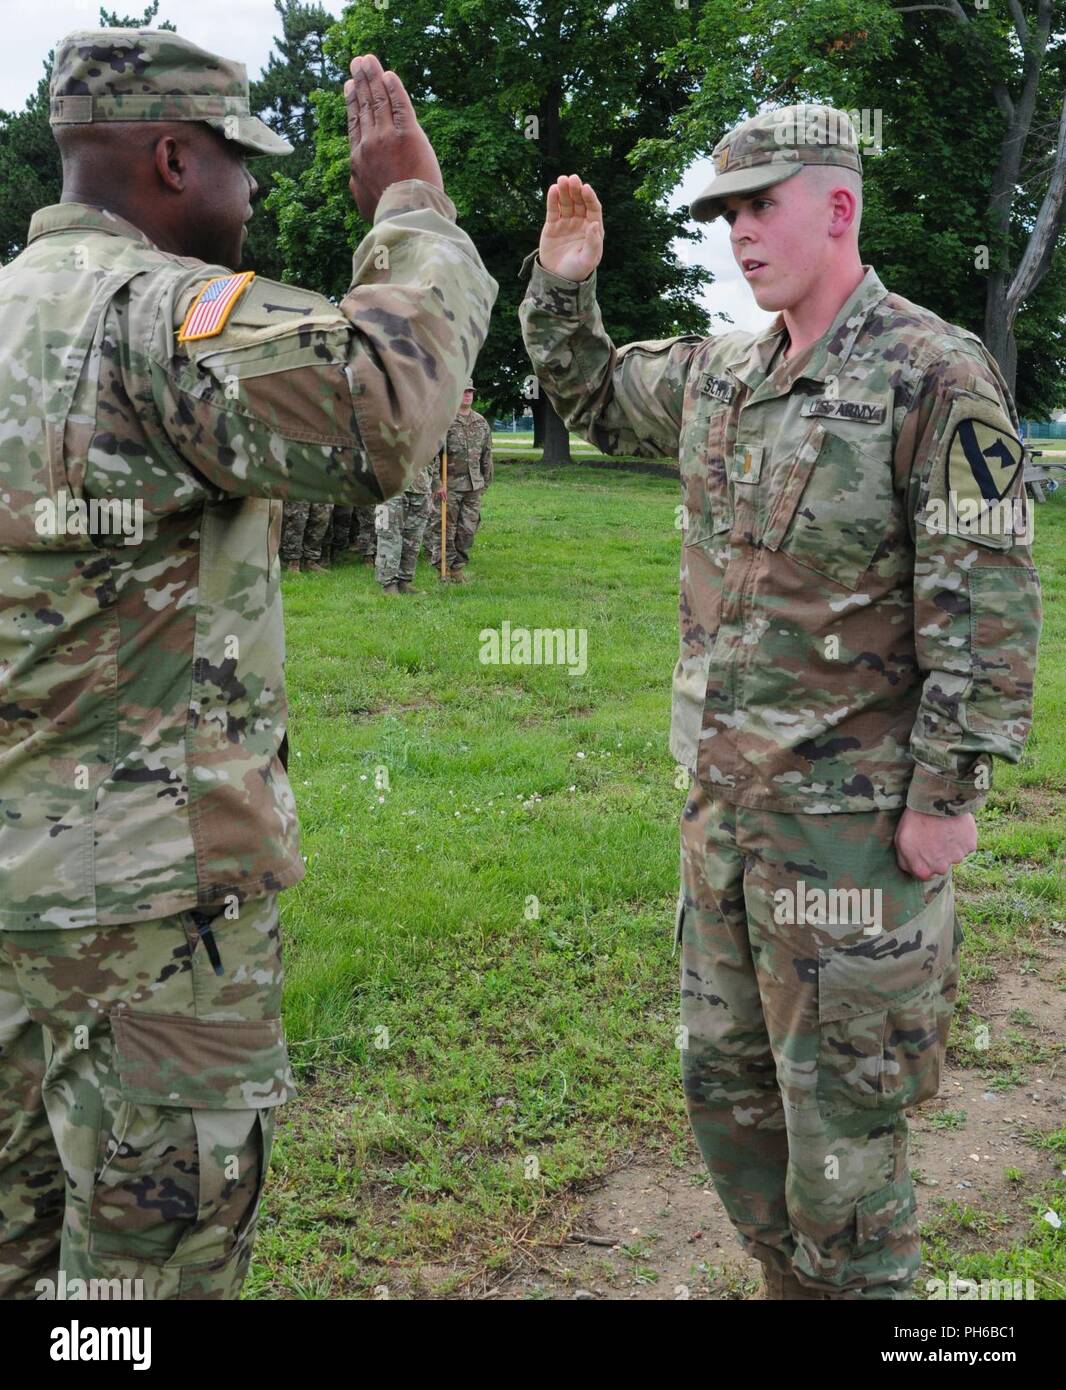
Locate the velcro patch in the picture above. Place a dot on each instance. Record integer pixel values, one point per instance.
(983, 461)
(835, 408)
(213, 305)
(719, 387)
(747, 463)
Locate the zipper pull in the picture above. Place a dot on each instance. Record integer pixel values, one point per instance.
(207, 936)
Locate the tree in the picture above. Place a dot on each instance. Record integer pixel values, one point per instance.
(111, 19)
(964, 205)
(282, 97)
(513, 93)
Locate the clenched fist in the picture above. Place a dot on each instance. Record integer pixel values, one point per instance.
(387, 143)
(571, 242)
(929, 845)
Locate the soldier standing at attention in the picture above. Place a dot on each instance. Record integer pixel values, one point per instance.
(306, 536)
(399, 540)
(849, 664)
(146, 821)
(469, 445)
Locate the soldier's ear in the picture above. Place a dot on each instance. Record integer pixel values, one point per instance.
(171, 163)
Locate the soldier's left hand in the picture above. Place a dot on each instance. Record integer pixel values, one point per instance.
(929, 845)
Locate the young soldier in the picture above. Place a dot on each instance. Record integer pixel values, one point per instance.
(849, 665)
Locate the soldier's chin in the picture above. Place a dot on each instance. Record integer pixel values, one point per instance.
(772, 298)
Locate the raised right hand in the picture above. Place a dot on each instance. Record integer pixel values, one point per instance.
(387, 143)
(571, 242)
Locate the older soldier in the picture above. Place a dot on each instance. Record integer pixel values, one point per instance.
(849, 665)
(306, 536)
(146, 822)
(469, 444)
(400, 537)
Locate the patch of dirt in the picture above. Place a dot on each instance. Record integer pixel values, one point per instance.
(1031, 803)
(654, 1231)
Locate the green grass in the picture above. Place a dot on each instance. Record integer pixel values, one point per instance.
(480, 996)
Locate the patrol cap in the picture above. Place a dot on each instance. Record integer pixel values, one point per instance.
(469, 386)
(771, 147)
(105, 75)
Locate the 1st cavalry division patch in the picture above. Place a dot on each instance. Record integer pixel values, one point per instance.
(212, 306)
(983, 463)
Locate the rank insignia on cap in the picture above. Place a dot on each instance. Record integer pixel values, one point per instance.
(212, 306)
(983, 461)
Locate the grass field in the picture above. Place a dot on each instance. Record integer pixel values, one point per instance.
(481, 998)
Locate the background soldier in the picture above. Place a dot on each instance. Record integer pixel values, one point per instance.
(848, 667)
(365, 541)
(306, 535)
(469, 445)
(146, 821)
(399, 540)
(353, 534)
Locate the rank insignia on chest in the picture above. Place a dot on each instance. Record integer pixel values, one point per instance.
(835, 408)
(718, 387)
(747, 463)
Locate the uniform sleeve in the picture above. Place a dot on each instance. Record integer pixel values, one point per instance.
(624, 400)
(298, 397)
(977, 602)
(486, 455)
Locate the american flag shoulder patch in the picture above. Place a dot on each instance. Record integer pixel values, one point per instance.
(212, 306)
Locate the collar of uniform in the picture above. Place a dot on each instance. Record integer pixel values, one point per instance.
(825, 357)
(83, 217)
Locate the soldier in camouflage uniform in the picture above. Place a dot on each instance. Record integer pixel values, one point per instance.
(353, 534)
(146, 821)
(400, 537)
(469, 444)
(306, 535)
(850, 662)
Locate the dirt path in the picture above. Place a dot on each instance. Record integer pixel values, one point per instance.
(654, 1231)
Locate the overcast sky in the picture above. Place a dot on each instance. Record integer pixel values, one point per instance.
(245, 30)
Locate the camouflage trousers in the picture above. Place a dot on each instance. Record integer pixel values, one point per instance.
(817, 986)
(398, 542)
(137, 1094)
(464, 518)
(305, 531)
(353, 530)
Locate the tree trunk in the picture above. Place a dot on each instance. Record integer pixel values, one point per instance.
(556, 438)
(537, 407)
(999, 330)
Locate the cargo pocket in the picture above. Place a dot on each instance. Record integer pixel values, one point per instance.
(182, 1160)
(1004, 627)
(881, 1011)
(888, 1211)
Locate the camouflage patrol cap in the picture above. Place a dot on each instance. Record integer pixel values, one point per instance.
(469, 386)
(107, 75)
(773, 146)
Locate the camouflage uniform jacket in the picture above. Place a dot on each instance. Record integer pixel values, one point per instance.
(469, 453)
(841, 649)
(142, 705)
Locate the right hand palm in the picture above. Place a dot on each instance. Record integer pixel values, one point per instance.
(387, 143)
(571, 241)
